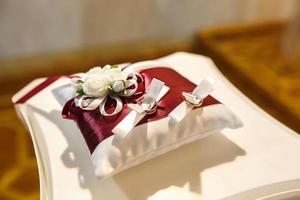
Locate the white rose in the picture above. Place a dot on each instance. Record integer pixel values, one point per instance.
(112, 74)
(95, 71)
(97, 79)
(115, 75)
(95, 86)
(107, 67)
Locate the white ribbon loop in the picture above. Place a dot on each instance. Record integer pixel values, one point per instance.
(118, 108)
(154, 88)
(87, 103)
(205, 87)
(147, 105)
(194, 99)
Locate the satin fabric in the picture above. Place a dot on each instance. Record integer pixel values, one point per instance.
(40, 87)
(95, 128)
(37, 89)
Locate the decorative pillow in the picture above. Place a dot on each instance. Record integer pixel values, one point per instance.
(120, 136)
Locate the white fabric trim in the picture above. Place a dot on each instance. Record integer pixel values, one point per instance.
(155, 138)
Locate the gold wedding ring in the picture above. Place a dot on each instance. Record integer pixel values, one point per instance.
(195, 105)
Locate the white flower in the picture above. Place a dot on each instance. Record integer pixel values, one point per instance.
(118, 86)
(95, 86)
(97, 80)
(95, 71)
(113, 74)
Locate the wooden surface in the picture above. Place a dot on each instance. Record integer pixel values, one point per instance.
(251, 57)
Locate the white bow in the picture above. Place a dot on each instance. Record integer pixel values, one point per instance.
(147, 105)
(194, 99)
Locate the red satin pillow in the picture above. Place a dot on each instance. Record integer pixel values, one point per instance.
(96, 128)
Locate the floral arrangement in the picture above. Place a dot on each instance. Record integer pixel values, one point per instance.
(99, 84)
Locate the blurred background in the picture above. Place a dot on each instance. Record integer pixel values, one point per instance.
(40, 26)
(255, 43)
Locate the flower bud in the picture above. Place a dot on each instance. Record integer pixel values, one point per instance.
(118, 86)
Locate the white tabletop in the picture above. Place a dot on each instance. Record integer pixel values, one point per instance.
(230, 164)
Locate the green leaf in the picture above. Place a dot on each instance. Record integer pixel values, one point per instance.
(79, 91)
(109, 88)
(114, 66)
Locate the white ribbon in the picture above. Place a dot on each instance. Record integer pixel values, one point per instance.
(91, 103)
(194, 99)
(147, 105)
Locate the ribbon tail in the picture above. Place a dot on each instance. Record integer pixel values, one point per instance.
(66, 110)
(181, 111)
(126, 125)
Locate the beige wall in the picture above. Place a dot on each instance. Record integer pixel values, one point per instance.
(34, 26)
